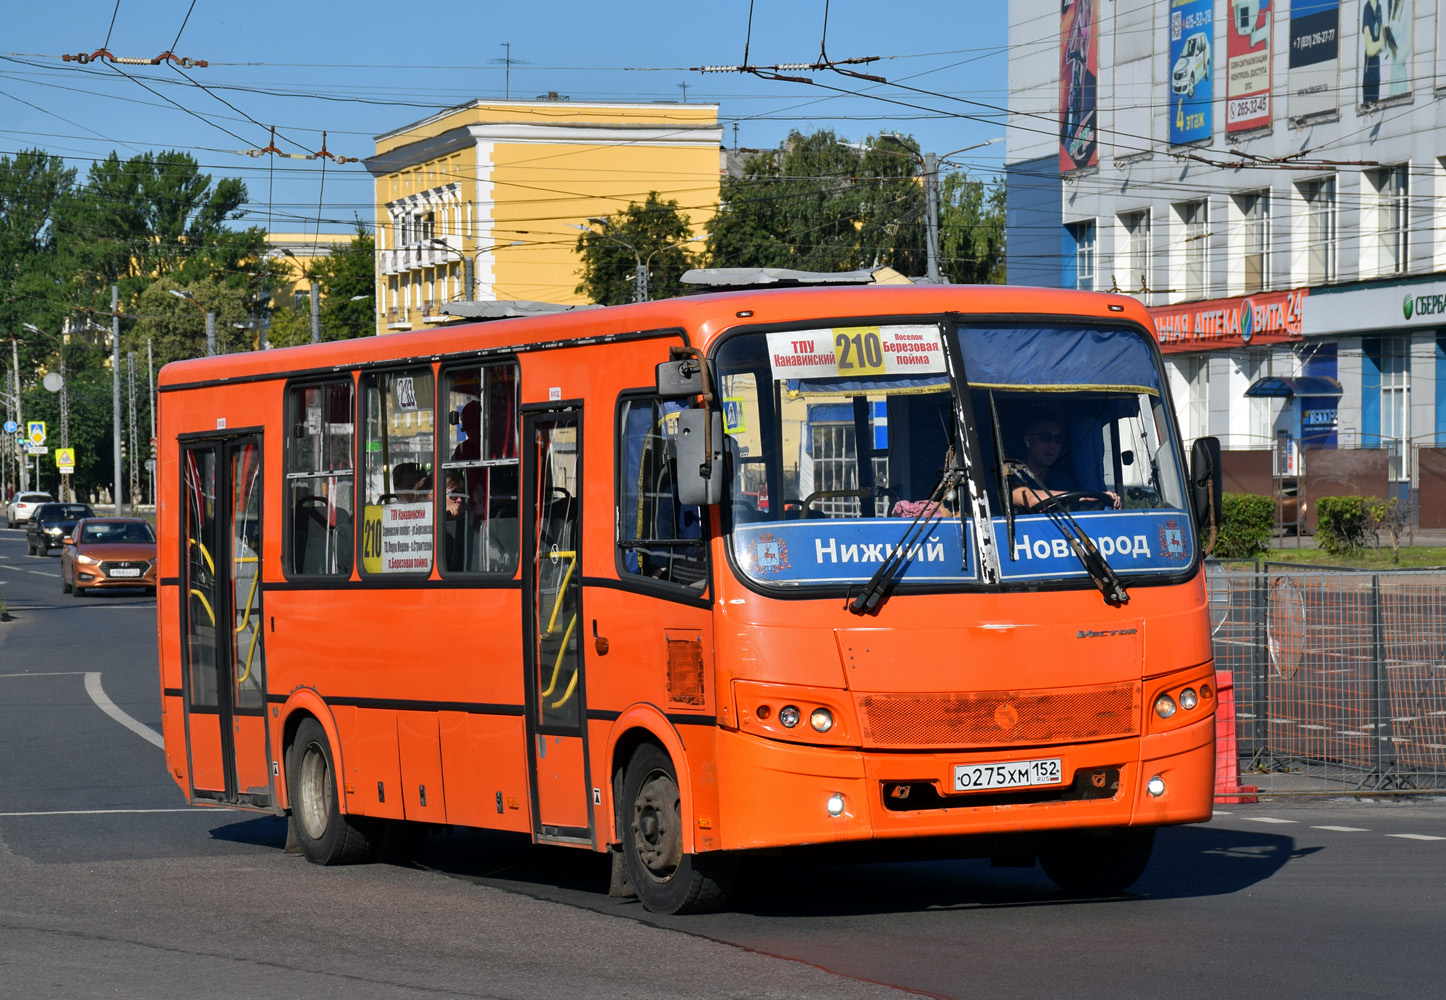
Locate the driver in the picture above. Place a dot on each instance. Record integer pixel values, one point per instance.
(1043, 442)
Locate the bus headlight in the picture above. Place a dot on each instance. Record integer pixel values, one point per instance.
(1188, 699)
(788, 715)
(821, 720)
(1164, 706)
(835, 804)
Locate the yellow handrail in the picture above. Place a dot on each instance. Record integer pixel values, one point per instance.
(246, 618)
(206, 604)
(571, 556)
(557, 666)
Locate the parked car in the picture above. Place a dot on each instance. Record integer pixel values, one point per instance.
(50, 523)
(1193, 66)
(105, 552)
(22, 505)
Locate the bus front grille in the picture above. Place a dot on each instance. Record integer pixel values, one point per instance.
(999, 718)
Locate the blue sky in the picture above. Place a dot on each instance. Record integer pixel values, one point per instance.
(362, 68)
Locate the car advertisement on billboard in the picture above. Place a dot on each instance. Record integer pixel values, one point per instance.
(1247, 74)
(1385, 49)
(1314, 61)
(1192, 53)
(1079, 47)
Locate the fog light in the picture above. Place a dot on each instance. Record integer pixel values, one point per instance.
(1188, 699)
(788, 715)
(1155, 786)
(1164, 706)
(764, 713)
(821, 720)
(835, 805)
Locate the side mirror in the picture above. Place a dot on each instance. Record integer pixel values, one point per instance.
(679, 378)
(1206, 493)
(67, 540)
(700, 457)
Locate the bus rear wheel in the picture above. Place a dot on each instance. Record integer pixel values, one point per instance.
(1098, 863)
(651, 827)
(325, 834)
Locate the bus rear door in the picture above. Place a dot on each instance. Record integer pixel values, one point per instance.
(552, 624)
(225, 664)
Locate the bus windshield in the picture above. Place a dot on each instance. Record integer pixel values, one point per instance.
(841, 438)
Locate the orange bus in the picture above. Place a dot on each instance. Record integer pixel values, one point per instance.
(692, 579)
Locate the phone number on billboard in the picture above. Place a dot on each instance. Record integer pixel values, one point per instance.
(1241, 108)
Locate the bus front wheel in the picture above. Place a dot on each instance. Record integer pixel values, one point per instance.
(651, 827)
(1098, 863)
(325, 834)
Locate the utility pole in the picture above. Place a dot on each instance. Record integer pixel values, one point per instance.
(316, 312)
(115, 406)
(135, 477)
(931, 215)
(19, 415)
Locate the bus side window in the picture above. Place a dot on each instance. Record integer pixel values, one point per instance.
(479, 455)
(320, 484)
(398, 489)
(658, 537)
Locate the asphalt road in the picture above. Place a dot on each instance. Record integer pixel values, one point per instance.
(110, 886)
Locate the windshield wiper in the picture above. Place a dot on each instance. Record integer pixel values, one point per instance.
(873, 591)
(1094, 562)
(1000, 464)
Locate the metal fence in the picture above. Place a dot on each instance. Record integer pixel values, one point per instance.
(1339, 679)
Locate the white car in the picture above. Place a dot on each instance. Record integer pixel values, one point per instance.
(1193, 66)
(22, 505)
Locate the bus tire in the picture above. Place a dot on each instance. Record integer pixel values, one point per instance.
(650, 823)
(1103, 863)
(324, 833)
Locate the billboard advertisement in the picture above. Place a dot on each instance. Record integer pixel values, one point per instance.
(1192, 58)
(1079, 59)
(1385, 49)
(1314, 62)
(1247, 60)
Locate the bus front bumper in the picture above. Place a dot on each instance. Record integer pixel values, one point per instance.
(776, 794)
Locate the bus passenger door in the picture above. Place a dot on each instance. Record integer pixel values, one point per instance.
(552, 623)
(225, 665)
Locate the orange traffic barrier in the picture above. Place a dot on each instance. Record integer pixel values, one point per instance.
(1228, 788)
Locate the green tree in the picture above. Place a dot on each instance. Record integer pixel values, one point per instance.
(157, 215)
(652, 236)
(176, 329)
(348, 280)
(971, 230)
(37, 202)
(819, 203)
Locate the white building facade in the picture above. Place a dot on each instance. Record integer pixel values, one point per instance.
(1269, 177)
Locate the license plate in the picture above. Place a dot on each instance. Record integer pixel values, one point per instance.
(1007, 774)
(125, 572)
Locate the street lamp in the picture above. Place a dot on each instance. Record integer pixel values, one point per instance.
(640, 278)
(210, 319)
(469, 264)
(929, 163)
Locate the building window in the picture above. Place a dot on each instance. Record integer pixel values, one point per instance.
(1255, 214)
(1196, 370)
(1194, 242)
(1393, 221)
(1084, 254)
(1320, 208)
(1135, 260)
(1396, 402)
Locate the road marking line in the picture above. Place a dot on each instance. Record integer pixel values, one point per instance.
(1268, 819)
(1342, 829)
(1414, 836)
(36, 572)
(97, 695)
(111, 812)
(53, 673)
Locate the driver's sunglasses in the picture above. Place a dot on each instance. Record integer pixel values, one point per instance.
(1045, 437)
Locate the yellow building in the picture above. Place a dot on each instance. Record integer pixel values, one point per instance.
(497, 189)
